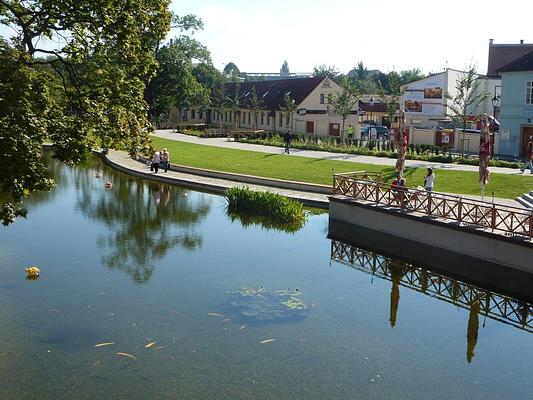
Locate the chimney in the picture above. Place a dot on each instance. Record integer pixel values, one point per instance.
(521, 41)
(491, 41)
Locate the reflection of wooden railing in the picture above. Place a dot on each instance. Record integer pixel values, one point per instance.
(493, 305)
(480, 214)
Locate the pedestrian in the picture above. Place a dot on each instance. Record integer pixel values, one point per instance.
(429, 180)
(287, 139)
(529, 158)
(165, 159)
(398, 189)
(156, 160)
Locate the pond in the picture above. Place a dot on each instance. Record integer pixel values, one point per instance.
(149, 291)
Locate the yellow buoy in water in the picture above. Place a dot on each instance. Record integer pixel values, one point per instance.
(32, 272)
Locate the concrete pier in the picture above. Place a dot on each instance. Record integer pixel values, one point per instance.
(494, 248)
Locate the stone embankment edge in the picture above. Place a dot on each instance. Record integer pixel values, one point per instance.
(220, 189)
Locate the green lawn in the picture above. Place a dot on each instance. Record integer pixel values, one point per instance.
(314, 170)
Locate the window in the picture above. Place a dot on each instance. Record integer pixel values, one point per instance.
(262, 118)
(280, 120)
(322, 98)
(193, 114)
(249, 118)
(529, 92)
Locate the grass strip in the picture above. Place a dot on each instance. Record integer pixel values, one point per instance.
(320, 170)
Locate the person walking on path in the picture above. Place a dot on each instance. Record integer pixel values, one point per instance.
(529, 158)
(287, 139)
(429, 180)
(156, 160)
(165, 160)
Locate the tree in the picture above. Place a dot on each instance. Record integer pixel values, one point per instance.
(326, 71)
(235, 103)
(231, 69)
(411, 75)
(256, 105)
(220, 102)
(284, 70)
(391, 101)
(105, 54)
(288, 107)
(466, 99)
(175, 84)
(343, 103)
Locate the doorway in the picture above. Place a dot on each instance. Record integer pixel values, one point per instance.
(334, 129)
(310, 127)
(527, 136)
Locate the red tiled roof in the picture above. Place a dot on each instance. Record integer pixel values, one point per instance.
(524, 63)
(503, 54)
(272, 92)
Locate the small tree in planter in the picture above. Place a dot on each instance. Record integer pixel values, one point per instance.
(288, 107)
(256, 105)
(466, 100)
(343, 103)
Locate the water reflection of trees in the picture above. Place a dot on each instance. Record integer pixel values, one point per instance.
(145, 219)
(264, 222)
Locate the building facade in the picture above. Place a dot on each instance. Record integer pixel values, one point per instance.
(313, 113)
(516, 106)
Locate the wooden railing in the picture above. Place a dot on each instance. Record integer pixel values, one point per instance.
(468, 212)
(496, 306)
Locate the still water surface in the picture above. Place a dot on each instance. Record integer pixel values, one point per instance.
(144, 262)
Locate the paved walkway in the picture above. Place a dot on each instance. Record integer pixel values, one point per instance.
(223, 142)
(122, 161)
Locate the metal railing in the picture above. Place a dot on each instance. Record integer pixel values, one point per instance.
(475, 213)
(493, 305)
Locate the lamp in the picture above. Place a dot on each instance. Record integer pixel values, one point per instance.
(495, 103)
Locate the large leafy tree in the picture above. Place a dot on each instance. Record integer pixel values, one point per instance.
(101, 55)
(176, 83)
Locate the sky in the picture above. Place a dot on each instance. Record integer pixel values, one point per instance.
(385, 34)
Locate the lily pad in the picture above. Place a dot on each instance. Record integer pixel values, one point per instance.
(263, 306)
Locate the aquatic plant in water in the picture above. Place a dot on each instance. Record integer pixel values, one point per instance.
(262, 305)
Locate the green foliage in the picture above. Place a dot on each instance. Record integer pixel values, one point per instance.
(87, 92)
(284, 70)
(278, 208)
(177, 83)
(326, 71)
(256, 105)
(288, 107)
(467, 97)
(231, 69)
(343, 103)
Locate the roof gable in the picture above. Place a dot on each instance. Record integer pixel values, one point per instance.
(272, 92)
(501, 55)
(524, 63)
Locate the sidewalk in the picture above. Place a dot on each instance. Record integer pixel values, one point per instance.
(223, 142)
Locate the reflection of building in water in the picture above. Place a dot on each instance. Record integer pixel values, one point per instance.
(491, 305)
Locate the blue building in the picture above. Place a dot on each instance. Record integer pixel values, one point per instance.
(516, 106)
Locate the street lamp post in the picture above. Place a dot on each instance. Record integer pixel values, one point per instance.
(371, 103)
(495, 104)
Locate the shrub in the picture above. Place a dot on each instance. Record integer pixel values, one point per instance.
(265, 204)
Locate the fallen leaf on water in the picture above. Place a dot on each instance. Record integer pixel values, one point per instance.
(96, 364)
(125, 355)
(169, 358)
(159, 347)
(226, 320)
(213, 314)
(266, 341)
(242, 327)
(104, 344)
(149, 345)
(102, 292)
